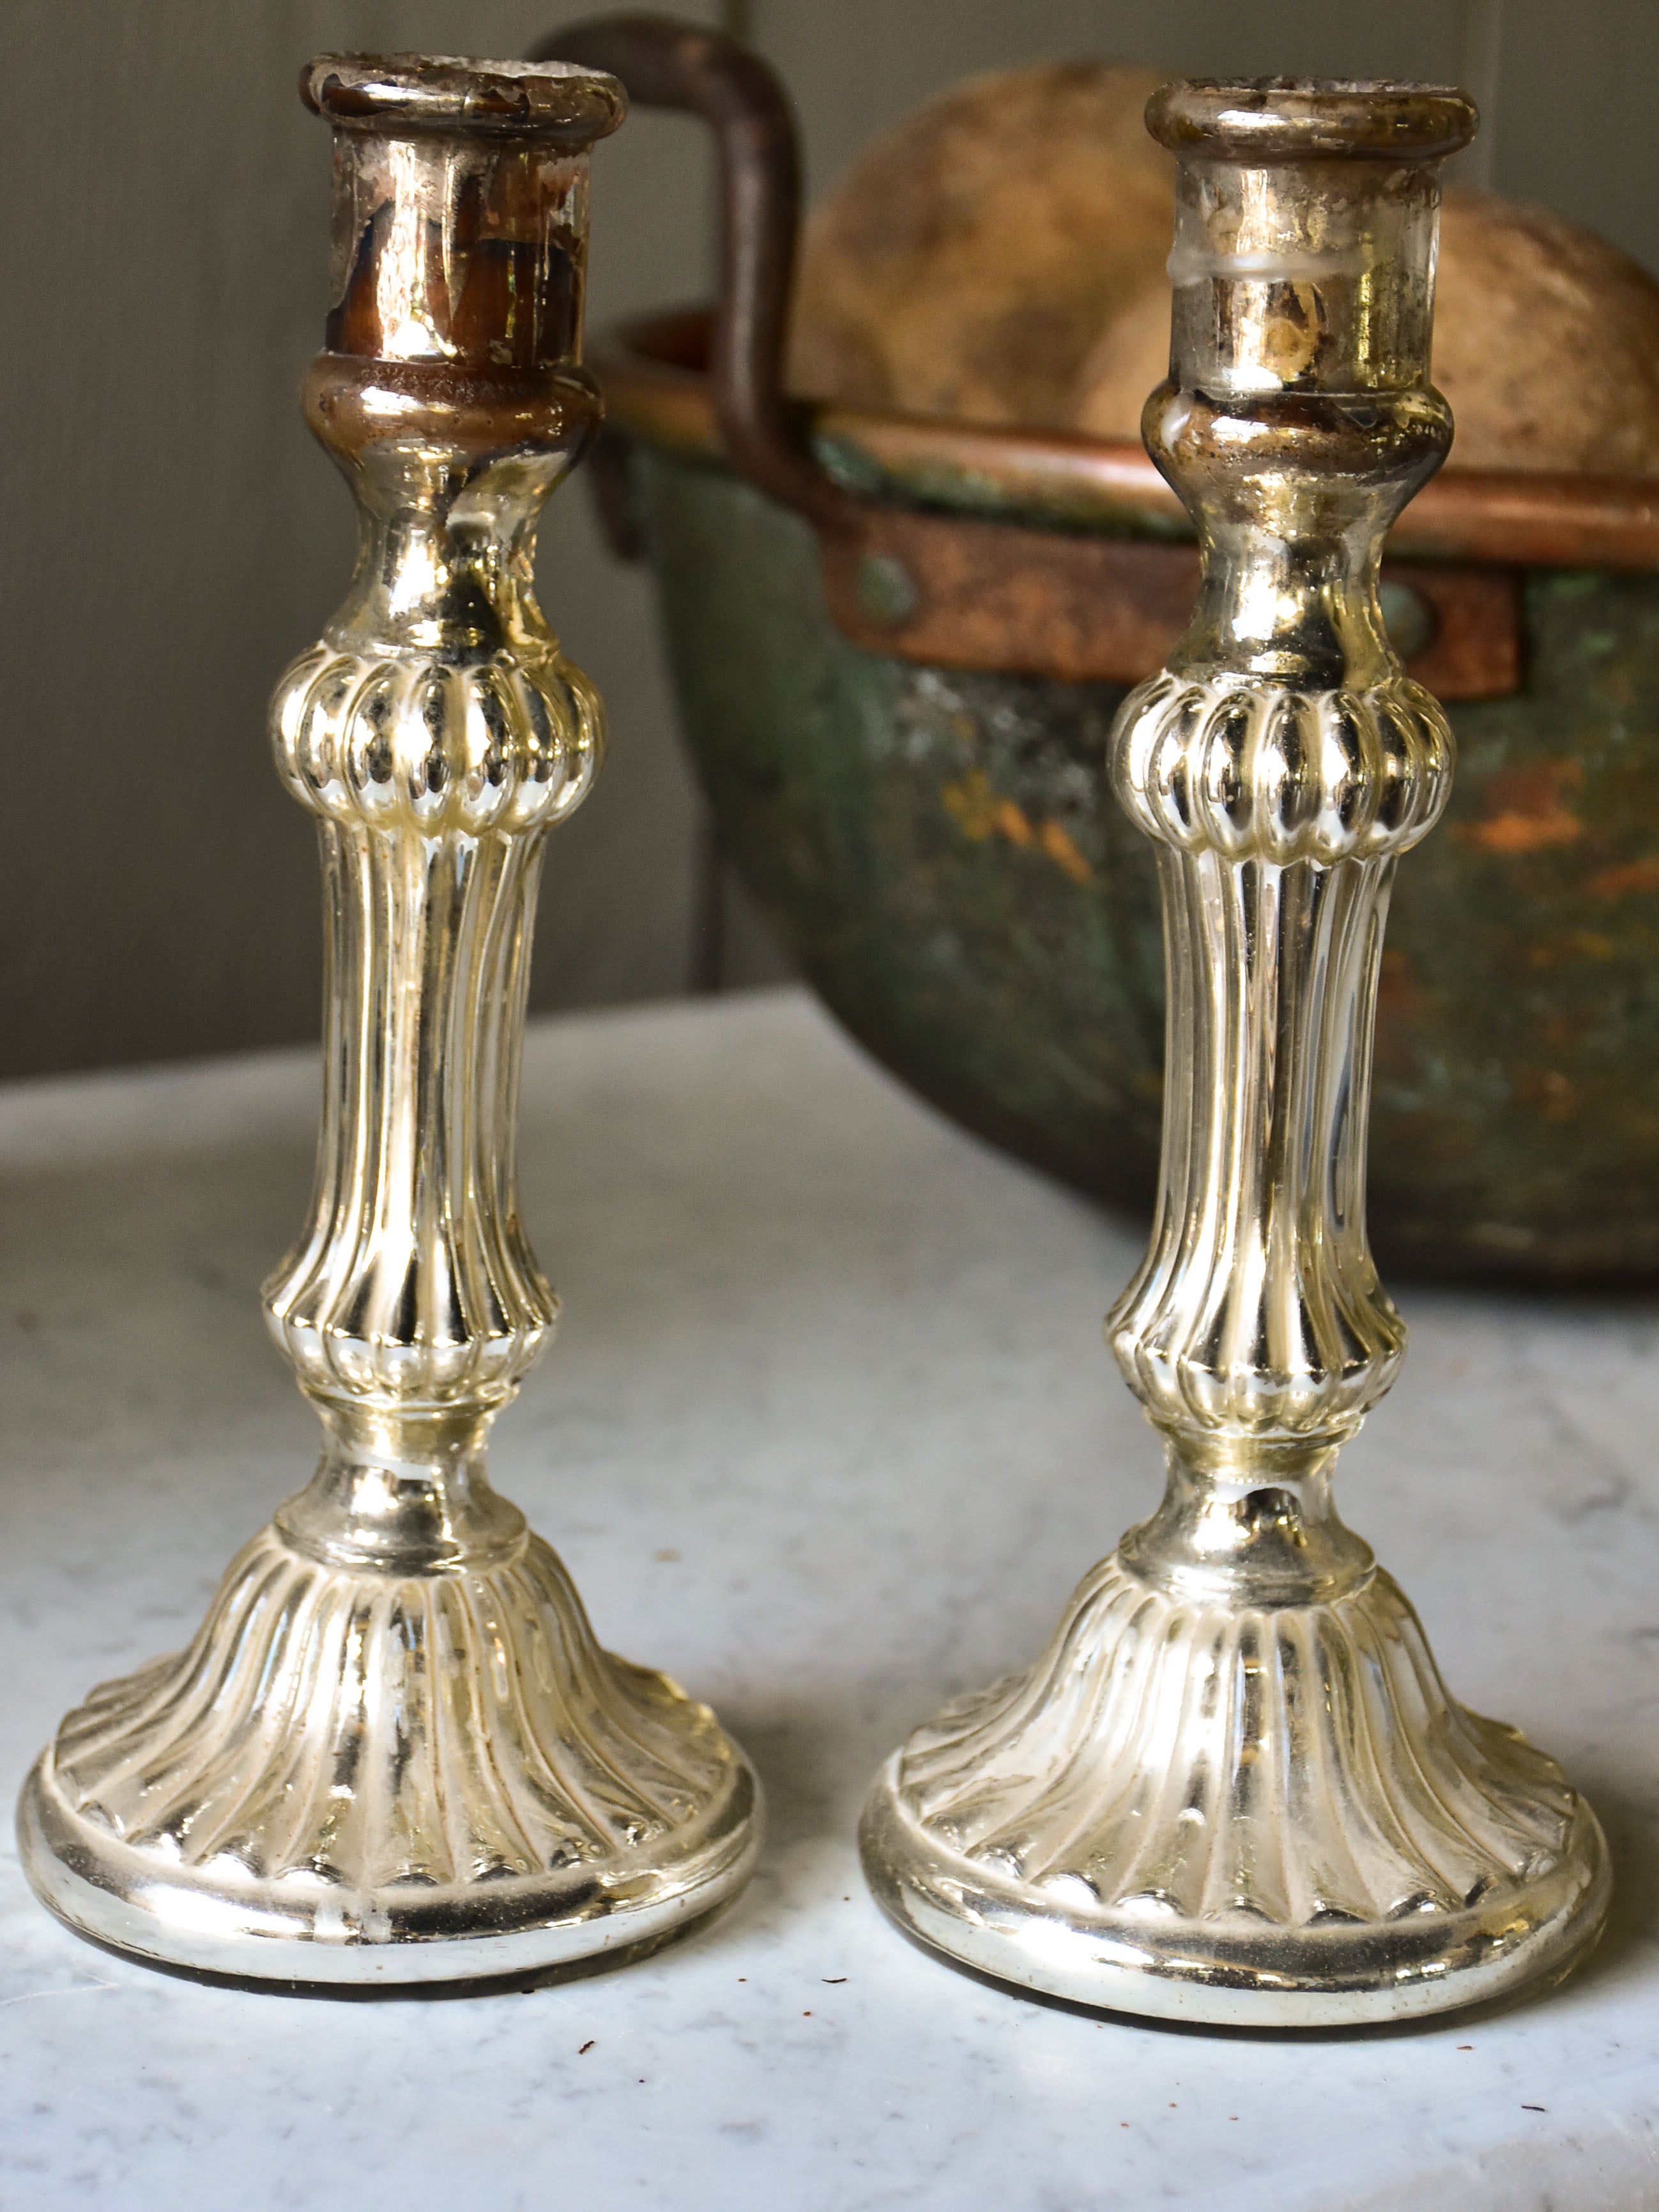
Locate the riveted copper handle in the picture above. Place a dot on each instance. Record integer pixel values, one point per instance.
(664, 63)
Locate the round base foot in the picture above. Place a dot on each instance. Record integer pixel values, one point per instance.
(1181, 1970)
(1255, 1817)
(135, 1901)
(353, 1780)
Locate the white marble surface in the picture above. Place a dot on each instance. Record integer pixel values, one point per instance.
(830, 1434)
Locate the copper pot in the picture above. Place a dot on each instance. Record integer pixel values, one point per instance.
(897, 644)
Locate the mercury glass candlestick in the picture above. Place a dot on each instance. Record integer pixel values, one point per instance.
(1235, 1788)
(394, 1752)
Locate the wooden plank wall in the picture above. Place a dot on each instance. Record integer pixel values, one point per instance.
(171, 536)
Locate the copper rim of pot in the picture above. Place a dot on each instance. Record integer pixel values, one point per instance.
(977, 546)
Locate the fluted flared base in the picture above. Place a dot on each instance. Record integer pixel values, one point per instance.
(353, 1778)
(1260, 1818)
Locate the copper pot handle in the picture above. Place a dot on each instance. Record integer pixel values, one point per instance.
(664, 63)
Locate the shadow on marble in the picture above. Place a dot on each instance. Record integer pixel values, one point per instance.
(1633, 1916)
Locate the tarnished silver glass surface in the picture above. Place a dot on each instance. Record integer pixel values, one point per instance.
(1235, 1789)
(394, 1752)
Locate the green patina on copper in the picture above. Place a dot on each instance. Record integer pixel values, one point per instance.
(942, 854)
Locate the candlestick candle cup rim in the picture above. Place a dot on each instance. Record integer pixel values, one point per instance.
(555, 102)
(1310, 120)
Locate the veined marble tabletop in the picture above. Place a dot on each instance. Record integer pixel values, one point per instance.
(829, 1434)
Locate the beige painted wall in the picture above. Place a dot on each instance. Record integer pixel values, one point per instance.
(170, 536)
